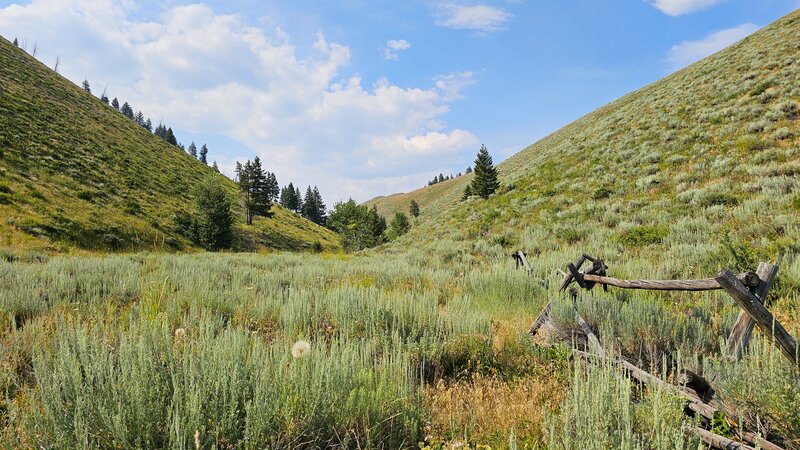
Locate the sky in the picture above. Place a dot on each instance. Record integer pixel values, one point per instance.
(371, 97)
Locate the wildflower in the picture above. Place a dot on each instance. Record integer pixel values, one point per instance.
(180, 333)
(301, 349)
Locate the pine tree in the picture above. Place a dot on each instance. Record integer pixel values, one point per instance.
(237, 172)
(215, 221)
(16, 42)
(485, 182)
(148, 125)
(399, 226)
(215, 167)
(115, 103)
(86, 86)
(253, 184)
(320, 205)
(286, 197)
(139, 118)
(440, 179)
(193, 152)
(467, 192)
(104, 98)
(273, 189)
(299, 197)
(170, 137)
(127, 111)
(469, 169)
(204, 154)
(413, 208)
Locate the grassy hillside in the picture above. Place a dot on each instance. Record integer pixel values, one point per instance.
(75, 173)
(708, 151)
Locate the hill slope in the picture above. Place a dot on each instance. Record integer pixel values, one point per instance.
(76, 173)
(709, 151)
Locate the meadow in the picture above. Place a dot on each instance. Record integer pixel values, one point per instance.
(406, 349)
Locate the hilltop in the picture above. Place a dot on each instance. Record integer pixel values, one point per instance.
(705, 156)
(77, 174)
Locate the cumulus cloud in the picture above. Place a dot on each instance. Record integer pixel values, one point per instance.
(213, 74)
(680, 7)
(482, 18)
(393, 46)
(687, 52)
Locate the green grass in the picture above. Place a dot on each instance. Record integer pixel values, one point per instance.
(75, 173)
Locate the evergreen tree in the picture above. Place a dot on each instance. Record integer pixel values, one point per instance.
(289, 198)
(215, 167)
(204, 154)
(16, 42)
(104, 98)
(160, 131)
(139, 118)
(193, 152)
(413, 208)
(485, 182)
(237, 172)
(273, 189)
(467, 192)
(86, 86)
(170, 137)
(127, 111)
(469, 169)
(440, 179)
(115, 103)
(299, 197)
(215, 218)
(148, 125)
(180, 146)
(321, 214)
(398, 226)
(253, 184)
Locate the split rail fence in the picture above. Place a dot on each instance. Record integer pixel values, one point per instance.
(749, 290)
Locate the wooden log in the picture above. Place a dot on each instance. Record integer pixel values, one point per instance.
(715, 440)
(763, 318)
(594, 343)
(695, 403)
(568, 278)
(543, 316)
(742, 330)
(576, 275)
(760, 441)
(524, 261)
(706, 284)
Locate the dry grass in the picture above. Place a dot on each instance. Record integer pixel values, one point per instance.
(485, 411)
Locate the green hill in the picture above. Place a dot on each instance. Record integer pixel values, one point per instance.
(707, 152)
(75, 173)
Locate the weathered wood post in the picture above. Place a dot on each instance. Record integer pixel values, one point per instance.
(760, 314)
(743, 328)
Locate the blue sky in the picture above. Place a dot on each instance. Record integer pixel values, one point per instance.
(366, 98)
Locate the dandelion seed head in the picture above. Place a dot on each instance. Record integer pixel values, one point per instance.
(301, 349)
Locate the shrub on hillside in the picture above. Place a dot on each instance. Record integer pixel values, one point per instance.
(643, 235)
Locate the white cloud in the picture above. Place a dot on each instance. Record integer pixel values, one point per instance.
(392, 48)
(687, 52)
(483, 18)
(214, 74)
(680, 7)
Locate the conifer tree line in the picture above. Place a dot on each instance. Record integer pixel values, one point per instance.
(162, 131)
